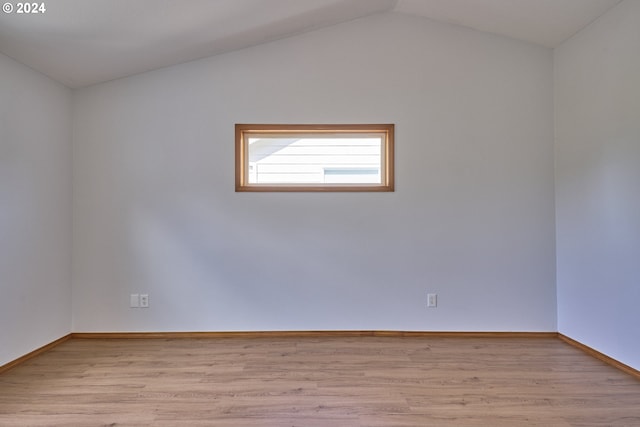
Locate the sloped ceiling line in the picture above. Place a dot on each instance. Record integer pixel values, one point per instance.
(81, 42)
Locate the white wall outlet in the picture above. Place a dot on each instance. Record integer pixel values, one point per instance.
(432, 300)
(144, 300)
(134, 301)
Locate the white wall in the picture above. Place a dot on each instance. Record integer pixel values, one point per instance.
(472, 217)
(597, 81)
(35, 210)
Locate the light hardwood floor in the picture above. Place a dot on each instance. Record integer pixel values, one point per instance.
(312, 382)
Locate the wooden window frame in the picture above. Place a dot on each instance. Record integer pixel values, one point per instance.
(387, 162)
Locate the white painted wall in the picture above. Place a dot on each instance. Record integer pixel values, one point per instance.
(35, 210)
(472, 217)
(597, 81)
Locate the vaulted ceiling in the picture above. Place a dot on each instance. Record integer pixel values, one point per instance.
(83, 42)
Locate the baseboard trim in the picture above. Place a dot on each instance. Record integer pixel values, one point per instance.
(600, 356)
(34, 353)
(308, 334)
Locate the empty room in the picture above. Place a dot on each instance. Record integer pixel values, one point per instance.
(312, 213)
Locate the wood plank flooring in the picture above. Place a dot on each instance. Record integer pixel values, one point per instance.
(312, 382)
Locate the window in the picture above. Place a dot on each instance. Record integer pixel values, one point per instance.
(314, 157)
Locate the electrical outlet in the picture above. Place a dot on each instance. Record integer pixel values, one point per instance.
(432, 300)
(144, 300)
(134, 301)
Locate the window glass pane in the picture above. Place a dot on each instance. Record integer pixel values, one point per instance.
(277, 159)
